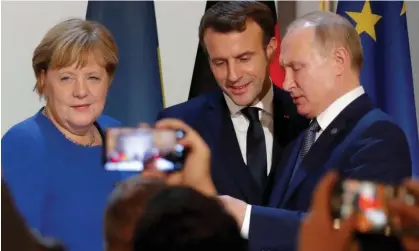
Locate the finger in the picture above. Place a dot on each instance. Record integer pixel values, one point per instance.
(410, 212)
(413, 187)
(173, 124)
(322, 194)
(175, 179)
(144, 125)
(194, 142)
(410, 243)
(347, 229)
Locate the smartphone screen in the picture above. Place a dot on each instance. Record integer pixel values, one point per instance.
(134, 149)
(367, 200)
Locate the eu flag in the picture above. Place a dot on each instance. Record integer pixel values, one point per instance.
(387, 72)
(135, 94)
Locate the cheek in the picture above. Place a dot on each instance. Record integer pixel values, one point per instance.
(59, 94)
(220, 74)
(257, 68)
(100, 91)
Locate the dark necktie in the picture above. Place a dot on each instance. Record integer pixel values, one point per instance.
(256, 146)
(308, 141)
(309, 138)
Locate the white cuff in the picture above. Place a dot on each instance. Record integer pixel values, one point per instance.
(246, 223)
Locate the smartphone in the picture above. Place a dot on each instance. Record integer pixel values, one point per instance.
(369, 202)
(135, 149)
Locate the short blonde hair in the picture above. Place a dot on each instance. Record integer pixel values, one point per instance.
(72, 41)
(333, 30)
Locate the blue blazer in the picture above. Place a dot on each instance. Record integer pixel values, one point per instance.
(209, 115)
(361, 143)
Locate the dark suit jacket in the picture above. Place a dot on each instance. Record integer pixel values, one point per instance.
(209, 116)
(380, 153)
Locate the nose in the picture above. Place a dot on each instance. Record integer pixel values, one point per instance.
(233, 72)
(80, 89)
(289, 81)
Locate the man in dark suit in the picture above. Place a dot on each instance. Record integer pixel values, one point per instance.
(322, 56)
(248, 123)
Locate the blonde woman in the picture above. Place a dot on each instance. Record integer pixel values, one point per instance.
(52, 160)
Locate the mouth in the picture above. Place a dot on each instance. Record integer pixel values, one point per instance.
(295, 100)
(80, 107)
(239, 89)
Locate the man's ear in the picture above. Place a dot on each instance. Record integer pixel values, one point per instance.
(342, 59)
(271, 48)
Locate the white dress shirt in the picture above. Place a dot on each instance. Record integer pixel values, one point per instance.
(241, 124)
(324, 120)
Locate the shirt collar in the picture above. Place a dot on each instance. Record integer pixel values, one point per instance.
(265, 104)
(328, 115)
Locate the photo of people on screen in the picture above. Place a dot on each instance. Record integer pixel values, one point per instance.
(130, 149)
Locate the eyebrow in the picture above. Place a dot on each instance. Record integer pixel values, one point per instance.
(246, 53)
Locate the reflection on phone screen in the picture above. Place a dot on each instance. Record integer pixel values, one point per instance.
(134, 149)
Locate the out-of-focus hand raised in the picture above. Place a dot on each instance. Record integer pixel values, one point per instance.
(408, 217)
(317, 232)
(196, 171)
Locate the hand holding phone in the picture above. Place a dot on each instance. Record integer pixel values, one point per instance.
(369, 201)
(134, 149)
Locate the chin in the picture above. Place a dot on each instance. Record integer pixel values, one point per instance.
(243, 100)
(83, 121)
(303, 111)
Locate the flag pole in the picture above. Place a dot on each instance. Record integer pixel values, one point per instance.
(325, 5)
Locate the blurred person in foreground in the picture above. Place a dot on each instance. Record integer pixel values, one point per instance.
(125, 206)
(16, 235)
(52, 160)
(318, 226)
(322, 56)
(179, 218)
(407, 216)
(187, 215)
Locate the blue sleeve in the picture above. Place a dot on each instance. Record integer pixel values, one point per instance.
(274, 229)
(382, 155)
(25, 174)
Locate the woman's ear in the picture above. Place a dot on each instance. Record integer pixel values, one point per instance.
(41, 83)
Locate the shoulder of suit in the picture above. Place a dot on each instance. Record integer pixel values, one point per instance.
(190, 107)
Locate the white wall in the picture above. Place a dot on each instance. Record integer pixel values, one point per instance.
(24, 24)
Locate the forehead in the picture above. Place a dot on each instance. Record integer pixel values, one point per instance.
(297, 43)
(90, 62)
(232, 43)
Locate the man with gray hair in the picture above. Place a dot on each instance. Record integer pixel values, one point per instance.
(322, 56)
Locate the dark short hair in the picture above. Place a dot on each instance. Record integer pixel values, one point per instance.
(182, 219)
(228, 16)
(124, 207)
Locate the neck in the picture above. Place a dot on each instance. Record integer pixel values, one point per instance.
(83, 136)
(265, 89)
(345, 86)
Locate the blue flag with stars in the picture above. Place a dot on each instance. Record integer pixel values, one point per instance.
(387, 72)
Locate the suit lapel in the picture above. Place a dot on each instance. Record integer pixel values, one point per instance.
(282, 179)
(287, 127)
(316, 156)
(328, 140)
(227, 157)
